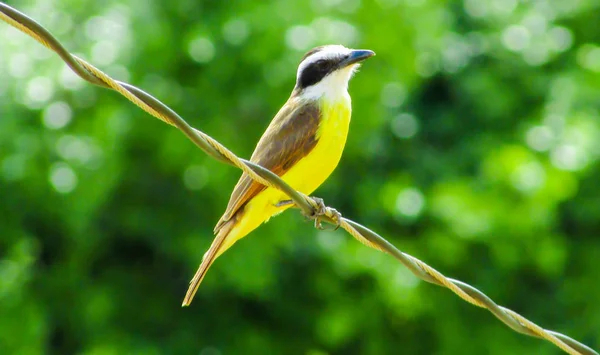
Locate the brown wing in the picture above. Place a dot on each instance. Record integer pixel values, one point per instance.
(290, 137)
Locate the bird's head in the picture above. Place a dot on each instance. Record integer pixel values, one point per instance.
(326, 70)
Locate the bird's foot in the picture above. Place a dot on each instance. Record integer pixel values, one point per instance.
(319, 213)
(324, 211)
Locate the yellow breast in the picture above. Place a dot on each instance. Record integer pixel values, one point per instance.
(311, 171)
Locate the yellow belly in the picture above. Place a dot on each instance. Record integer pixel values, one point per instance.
(306, 175)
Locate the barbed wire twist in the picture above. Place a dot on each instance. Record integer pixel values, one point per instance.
(308, 206)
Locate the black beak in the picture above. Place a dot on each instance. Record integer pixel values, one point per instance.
(356, 56)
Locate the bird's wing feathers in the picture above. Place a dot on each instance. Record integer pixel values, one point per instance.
(291, 136)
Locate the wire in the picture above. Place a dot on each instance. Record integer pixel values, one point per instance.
(308, 205)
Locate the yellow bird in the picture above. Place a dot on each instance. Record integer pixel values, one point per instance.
(303, 145)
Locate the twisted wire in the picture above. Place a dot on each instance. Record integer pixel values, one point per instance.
(263, 176)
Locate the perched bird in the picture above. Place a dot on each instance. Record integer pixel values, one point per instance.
(303, 145)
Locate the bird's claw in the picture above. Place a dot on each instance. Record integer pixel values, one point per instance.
(324, 211)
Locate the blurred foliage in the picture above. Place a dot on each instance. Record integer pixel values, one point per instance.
(474, 146)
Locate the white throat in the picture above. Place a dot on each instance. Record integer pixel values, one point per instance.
(334, 86)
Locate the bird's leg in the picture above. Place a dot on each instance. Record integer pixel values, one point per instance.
(283, 203)
(318, 212)
(323, 210)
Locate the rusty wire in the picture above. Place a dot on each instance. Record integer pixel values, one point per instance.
(308, 206)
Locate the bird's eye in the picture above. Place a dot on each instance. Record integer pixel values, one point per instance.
(322, 64)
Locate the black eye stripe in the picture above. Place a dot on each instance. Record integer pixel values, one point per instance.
(314, 72)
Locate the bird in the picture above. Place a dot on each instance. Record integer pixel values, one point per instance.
(303, 144)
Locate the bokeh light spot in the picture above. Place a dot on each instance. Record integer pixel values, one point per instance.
(561, 38)
(588, 57)
(39, 89)
(333, 31)
(110, 27)
(516, 38)
(78, 149)
(503, 7)
(201, 49)
(427, 64)
(529, 177)
(300, 37)
(540, 138)
(195, 177)
(536, 23)
(236, 31)
(410, 202)
(568, 157)
(118, 72)
(393, 95)
(456, 53)
(63, 178)
(69, 80)
(20, 65)
(536, 54)
(104, 52)
(57, 115)
(331, 242)
(405, 125)
(476, 8)
(406, 279)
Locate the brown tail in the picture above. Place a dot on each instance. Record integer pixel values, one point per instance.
(208, 259)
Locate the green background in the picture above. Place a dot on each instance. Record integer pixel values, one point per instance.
(474, 146)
